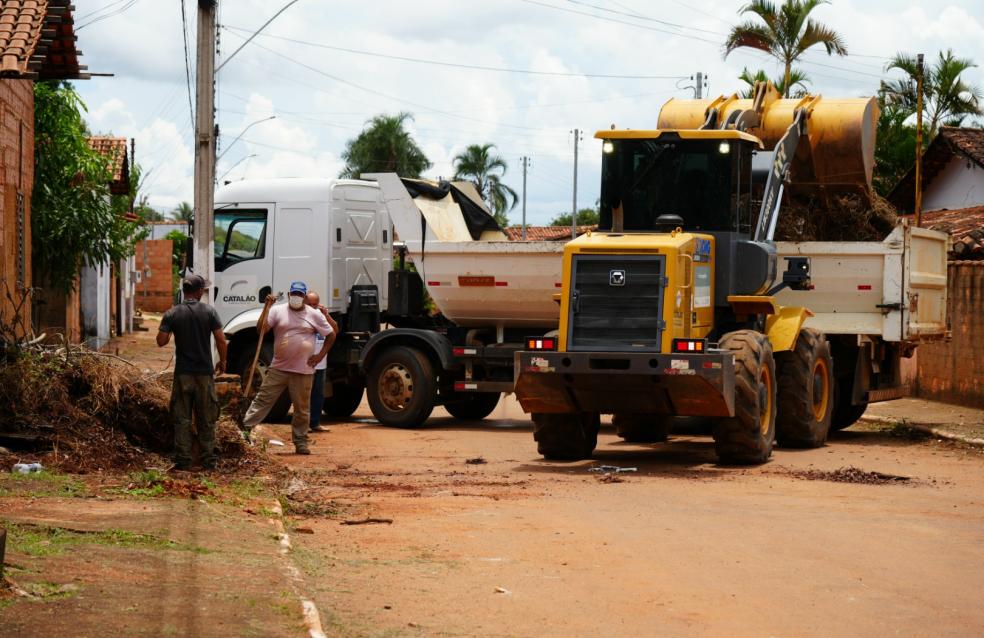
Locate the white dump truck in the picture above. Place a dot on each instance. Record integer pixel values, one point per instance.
(875, 301)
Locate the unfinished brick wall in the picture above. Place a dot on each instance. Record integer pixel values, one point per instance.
(16, 181)
(154, 293)
(954, 371)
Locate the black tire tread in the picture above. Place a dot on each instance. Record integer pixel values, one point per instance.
(739, 439)
(642, 428)
(796, 425)
(425, 388)
(474, 406)
(566, 437)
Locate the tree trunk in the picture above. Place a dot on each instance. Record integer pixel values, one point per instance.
(785, 78)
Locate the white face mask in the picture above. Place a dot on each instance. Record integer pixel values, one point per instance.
(295, 302)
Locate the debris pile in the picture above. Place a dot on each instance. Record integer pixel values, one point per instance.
(849, 217)
(83, 411)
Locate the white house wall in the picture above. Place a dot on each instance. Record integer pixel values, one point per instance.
(959, 185)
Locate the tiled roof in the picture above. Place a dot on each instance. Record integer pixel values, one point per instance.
(544, 233)
(114, 150)
(966, 228)
(949, 143)
(37, 40)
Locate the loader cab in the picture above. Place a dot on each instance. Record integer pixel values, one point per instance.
(703, 177)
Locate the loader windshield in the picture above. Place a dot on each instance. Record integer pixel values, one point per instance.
(699, 180)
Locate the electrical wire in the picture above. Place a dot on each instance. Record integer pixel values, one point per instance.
(111, 14)
(475, 67)
(184, 34)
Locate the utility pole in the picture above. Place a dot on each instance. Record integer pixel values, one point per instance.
(205, 145)
(526, 164)
(577, 138)
(919, 113)
(699, 86)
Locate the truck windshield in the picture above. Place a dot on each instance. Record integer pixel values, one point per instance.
(240, 235)
(694, 179)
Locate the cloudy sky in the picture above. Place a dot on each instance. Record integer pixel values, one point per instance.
(543, 68)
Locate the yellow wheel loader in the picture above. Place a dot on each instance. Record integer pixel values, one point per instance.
(670, 309)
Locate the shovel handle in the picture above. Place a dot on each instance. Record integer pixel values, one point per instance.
(259, 346)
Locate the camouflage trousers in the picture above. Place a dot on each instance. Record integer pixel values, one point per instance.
(193, 399)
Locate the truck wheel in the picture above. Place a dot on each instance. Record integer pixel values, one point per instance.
(748, 436)
(278, 413)
(474, 406)
(642, 428)
(402, 387)
(845, 413)
(566, 437)
(805, 395)
(344, 400)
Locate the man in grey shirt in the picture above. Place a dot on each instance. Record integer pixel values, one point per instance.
(193, 325)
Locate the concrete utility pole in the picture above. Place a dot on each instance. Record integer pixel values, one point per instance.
(526, 164)
(577, 138)
(919, 113)
(205, 145)
(699, 86)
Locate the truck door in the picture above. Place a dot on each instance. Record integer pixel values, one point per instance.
(300, 250)
(243, 258)
(924, 303)
(361, 238)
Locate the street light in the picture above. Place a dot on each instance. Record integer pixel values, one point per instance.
(243, 132)
(241, 160)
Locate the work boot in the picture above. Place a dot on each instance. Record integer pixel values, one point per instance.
(302, 449)
(319, 428)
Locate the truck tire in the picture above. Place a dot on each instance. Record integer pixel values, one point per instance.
(845, 413)
(748, 437)
(344, 400)
(278, 413)
(473, 406)
(402, 387)
(805, 398)
(566, 437)
(642, 428)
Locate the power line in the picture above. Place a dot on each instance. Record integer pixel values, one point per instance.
(617, 21)
(458, 65)
(99, 10)
(116, 12)
(641, 17)
(184, 34)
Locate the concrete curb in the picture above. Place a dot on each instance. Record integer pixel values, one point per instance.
(926, 429)
(312, 619)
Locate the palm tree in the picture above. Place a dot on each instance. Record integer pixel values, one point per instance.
(786, 34)
(796, 77)
(479, 165)
(948, 100)
(384, 146)
(183, 212)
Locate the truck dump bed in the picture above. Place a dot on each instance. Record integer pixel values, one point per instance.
(895, 288)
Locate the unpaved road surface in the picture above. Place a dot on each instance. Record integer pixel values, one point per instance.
(518, 546)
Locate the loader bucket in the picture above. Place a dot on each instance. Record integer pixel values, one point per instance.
(840, 150)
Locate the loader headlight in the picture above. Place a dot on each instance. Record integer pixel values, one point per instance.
(724, 148)
(607, 147)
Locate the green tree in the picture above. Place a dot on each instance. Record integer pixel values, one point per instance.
(480, 165)
(785, 32)
(798, 79)
(384, 146)
(179, 247)
(947, 98)
(895, 146)
(73, 221)
(585, 217)
(183, 212)
(146, 212)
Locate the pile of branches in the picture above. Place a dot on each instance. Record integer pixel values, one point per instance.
(94, 411)
(847, 217)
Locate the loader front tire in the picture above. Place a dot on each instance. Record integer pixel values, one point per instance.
(566, 437)
(805, 397)
(748, 437)
(642, 428)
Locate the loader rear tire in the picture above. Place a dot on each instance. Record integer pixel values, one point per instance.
(566, 437)
(642, 428)
(402, 387)
(473, 406)
(805, 397)
(748, 437)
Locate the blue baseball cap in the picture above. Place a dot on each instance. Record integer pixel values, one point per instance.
(297, 286)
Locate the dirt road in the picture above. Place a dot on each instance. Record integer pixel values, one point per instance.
(517, 546)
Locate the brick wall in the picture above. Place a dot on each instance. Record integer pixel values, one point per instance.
(954, 371)
(154, 293)
(16, 181)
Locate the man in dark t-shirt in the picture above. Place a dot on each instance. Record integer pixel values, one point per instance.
(193, 392)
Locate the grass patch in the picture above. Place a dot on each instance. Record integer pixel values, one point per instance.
(248, 489)
(310, 509)
(51, 591)
(37, 540)
(42, 483)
